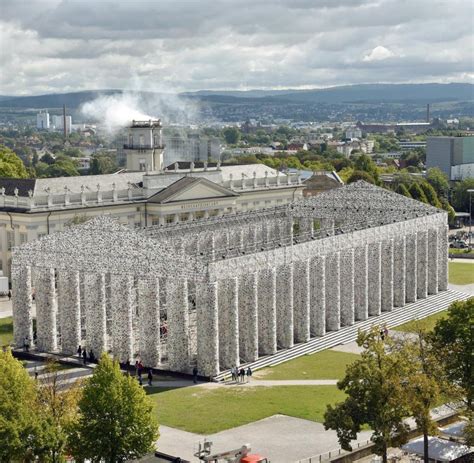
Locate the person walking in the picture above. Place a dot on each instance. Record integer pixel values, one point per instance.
(242, 375)
(9, 294)
(79, 351)
(26, 344)
(195, 375)
(232, 372)
(249, 373)
(150, 377)
(84, 356)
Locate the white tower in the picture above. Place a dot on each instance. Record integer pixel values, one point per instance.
(144, 146)
(42, 120)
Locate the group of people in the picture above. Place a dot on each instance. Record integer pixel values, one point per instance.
(82, 353)
(238, 375)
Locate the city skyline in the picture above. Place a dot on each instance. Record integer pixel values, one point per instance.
(57, 46)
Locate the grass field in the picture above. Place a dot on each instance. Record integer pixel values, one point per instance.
(327, 364)
(461, 251)
(426, 324)
(206, 411)
(6, 331)
(461, 273)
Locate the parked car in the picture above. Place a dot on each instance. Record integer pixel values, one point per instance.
(460, 244)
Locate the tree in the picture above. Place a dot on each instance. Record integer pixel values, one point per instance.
(47, 159)
(58, 413)
(361, 175)
(453, 337)
(231, 135)
(102, 164)
(116, 420)
(19, 425)
(438, 180)
(430, 194)
(10, 164)
(449, 209)
(403, 190)
(366, 163)
(460, 197)
(375, 396)
(417, 193)
(424, 383)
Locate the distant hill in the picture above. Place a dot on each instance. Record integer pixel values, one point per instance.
(407, 93)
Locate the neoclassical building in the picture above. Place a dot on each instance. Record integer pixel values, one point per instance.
(181, 192)
(226, 290)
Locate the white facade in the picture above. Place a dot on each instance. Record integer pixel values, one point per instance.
(42, 120)
(58, 123)
(462, 171)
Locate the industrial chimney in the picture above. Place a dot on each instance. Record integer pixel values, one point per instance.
(64, 122)
(428, 112)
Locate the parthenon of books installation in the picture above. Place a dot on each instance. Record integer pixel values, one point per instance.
(225, 290)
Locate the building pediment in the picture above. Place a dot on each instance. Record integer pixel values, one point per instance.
(191, 188)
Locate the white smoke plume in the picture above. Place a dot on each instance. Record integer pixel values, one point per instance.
(115, 111)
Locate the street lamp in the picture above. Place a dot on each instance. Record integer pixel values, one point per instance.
(470, 190)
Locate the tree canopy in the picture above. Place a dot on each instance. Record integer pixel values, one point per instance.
(116, 423)
(10, 164)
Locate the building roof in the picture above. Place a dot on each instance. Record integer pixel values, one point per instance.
(41, 186)
(24, 185)
(439, 449)
(454, 429)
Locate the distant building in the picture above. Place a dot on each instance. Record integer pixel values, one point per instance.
(407, 145)
(408, 127)
(318, 181)
(353, 132)
(193, 147)
(42, 120)
(453, 155)
(58, 123)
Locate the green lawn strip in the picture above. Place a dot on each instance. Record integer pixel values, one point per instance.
(6, 331)
(327, 364)
(427, 324)
(461, 251)
(206, 411)
(461, 273)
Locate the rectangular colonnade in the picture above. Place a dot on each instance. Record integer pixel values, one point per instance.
(238, 318)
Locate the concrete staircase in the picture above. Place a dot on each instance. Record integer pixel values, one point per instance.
(399, 315)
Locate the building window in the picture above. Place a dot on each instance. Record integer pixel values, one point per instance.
(279, 201)
(170, 218)
(256, 203)
(142, 163)
(10, 240)
(184, 217)
(155, 220)
(23, 238)
(267, 203)
(130, 140)
(199, 214)
(142, 141)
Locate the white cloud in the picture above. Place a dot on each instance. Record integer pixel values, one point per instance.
(174, 45)
(379, 53)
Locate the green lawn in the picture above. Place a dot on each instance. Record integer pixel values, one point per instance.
(461, 273)
(206, 411)
(6, 331)
(461, 251)
(426, 324)
(327, 364)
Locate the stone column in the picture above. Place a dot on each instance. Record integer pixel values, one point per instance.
(333, 296)
(69, 307)
(149, 319)
(443, 258)
(284, 306)
(306, 227)
(301, 301)
(178, 324)
(361, 290)
(21, 305)
(347, 287)
(317, 296)
(46, 310)
(121, 304)
(248, 317)
(422, 264)
(399, 265)
(410, 268)
(207, 328)
(94, 297)
(228, 307)
(267, 332)
(374, 279)
(327, 227)
(432, 261)
(387, 276)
